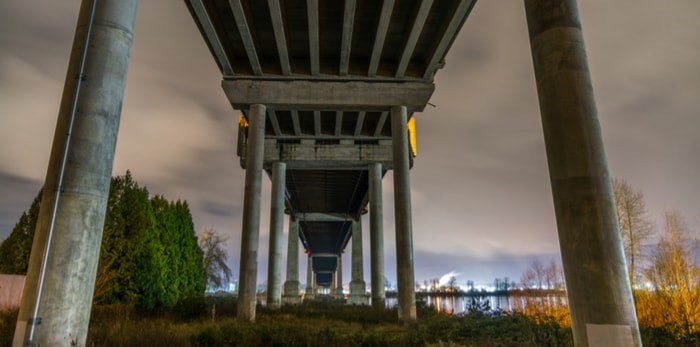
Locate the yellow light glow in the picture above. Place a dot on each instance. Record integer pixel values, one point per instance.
(412, 134)
(242, 122)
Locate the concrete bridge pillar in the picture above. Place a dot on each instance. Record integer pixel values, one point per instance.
(402, 214)
(309, 292)
(376, 235)
(598, 288)
(57, 297)
(339, 277)
(291, 286)
(250, 232)
(358, 295)
(274, 273)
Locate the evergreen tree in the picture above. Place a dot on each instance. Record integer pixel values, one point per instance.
(14, 251)
(149, 255)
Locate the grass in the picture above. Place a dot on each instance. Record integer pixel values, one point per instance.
(319, 324)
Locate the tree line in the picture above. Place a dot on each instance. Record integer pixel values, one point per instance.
(149, 257)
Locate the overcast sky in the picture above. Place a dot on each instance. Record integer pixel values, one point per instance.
(482, 202)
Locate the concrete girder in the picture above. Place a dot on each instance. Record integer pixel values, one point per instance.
(380, 37)
(246, 37)
(323, 217)
(338, 96)
(212, 38)
(346, 39)
(314, 54)
(436, 60)
(416, 29)
(280, 38)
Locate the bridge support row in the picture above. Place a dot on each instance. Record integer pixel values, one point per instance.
(77, 182)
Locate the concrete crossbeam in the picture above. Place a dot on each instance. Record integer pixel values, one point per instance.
(308, 155)
(323, 217)
(328, 95)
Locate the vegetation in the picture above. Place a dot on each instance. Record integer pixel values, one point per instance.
(217, 271)
(149, 256)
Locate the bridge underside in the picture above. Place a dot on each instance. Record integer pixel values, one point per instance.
(328, 73)
(326, 89)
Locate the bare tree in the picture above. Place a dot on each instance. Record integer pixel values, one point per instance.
(634, 225)
(676, 276)
(214, 258)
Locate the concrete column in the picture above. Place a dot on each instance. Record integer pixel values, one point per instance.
(339, 277)
(309, 279)
(358, 295)
(274, 271)
(291, 286)
(250, 232)
(57, 296)
(402, 213)
(376, 235)
(598, 288)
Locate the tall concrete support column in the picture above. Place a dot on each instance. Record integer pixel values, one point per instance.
(358, 295)
(599, 292)
(376, 235)
(274, 271)
(57, 297)
(402, 213)
(309, 292)
(339, 277)
(291, 286)
(251, 213)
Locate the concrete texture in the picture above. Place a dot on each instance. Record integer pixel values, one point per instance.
(402, 215)
(78, 204)
(376, 235)
(358, 288)
(11, 287)
(274, 271)
(598, 286)
(344, 96)
(309, 292)
(292, 285)
(339, 278)
(251, 213)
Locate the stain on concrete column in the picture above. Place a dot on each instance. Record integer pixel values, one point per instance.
(274, 273)
(402, 214)
(65, 251)
(599, 292)
(250, 232)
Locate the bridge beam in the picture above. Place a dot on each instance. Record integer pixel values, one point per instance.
(250, 232)
(376, 235)
(291, 286)
(327, 95)
(598, 287)
(274, 271)
(402, 215)
(57, 296)
(323, 217)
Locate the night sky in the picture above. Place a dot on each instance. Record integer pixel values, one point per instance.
(482, 202)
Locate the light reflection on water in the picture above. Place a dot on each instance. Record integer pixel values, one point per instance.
(460, 304)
